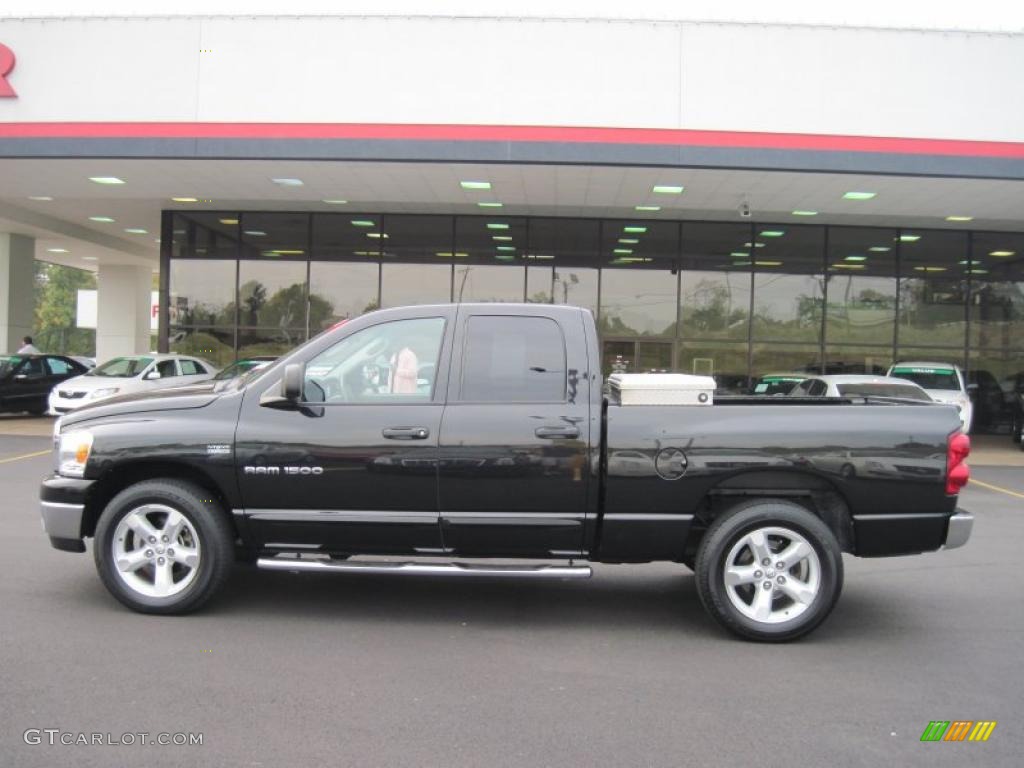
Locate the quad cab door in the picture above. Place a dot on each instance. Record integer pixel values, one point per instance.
(513, 475)
(355, 469)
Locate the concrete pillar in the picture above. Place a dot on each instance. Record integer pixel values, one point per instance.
(17, 289)
(122, 313)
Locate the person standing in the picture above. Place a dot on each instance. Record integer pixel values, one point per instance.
(27, 347)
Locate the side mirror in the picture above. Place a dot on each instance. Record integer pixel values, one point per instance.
(152, 375)
(289, 395)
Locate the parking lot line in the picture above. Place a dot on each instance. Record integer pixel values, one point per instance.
(1007, 491)
(25, 456)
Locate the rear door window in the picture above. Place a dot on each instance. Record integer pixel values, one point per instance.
(191, 368)
(513, 359)
(59, 366)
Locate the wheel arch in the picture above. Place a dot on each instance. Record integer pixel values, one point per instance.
(816, 494)
(116, 479)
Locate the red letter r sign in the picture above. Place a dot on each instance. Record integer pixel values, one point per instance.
(6, 65)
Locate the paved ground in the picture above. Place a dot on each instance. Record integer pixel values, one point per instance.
(624, 670)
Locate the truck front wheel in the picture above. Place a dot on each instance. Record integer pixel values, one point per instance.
(769, 570)
(163, 546)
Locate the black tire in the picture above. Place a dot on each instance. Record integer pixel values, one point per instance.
(209, 523)
(725, 533)
(848, 470)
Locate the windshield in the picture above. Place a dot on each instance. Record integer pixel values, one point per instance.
(8, 364)
(241, 367)
(124, 367)
(883, 390)
(929, 378)
(776, 385)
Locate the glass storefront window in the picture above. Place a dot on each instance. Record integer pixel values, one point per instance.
(490, 240)
(404, 284)
(538, 284)
(784, 358)
(637, 302)
(857, 359)
(204, 235)
(933, 289)
(214, 344)
(335, 236)
(275, 235)
(715, 293)
(426, 239)
(727, 362)
(861, 285)
(996, 271)
(202, 292)
(487, 282)
(340, 291)
(272, 294)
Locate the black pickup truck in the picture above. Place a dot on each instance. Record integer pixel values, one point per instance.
(477, 440)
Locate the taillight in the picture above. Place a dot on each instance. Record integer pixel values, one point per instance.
(957, 471)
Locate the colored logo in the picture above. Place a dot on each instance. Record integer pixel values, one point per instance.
(6, 65)
(958, 730)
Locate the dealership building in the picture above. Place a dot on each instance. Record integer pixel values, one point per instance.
(727, 198)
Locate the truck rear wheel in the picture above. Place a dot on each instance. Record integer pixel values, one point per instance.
(163, 546)
(769, 570)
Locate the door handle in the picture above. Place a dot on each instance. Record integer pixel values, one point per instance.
(557, 433)
(406, 433)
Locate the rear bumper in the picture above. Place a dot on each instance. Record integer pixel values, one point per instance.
(62, 507)
(959, 530)
(886, 535)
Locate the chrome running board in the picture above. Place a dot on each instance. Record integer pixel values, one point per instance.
(426, 569)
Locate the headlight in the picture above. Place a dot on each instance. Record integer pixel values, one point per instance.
(103, 392)
(73, 452)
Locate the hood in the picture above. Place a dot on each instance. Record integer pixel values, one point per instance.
(946, 396)
(85, 383)
(176, 398)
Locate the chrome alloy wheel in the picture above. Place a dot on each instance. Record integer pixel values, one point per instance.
(156, 551)
(772, 575)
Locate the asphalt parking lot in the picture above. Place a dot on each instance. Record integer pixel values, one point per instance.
(623, 670)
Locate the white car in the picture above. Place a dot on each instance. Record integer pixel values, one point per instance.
(124, 375)
(858, 385)
(943, 382)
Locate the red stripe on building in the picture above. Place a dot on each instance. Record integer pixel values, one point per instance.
(515, 133)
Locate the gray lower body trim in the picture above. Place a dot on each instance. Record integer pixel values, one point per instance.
(427, 569)
(339, 516)
(922, 516)
(959, 530)
(62, 521)
(645, 517)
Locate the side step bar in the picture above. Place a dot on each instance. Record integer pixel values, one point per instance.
(427, 569)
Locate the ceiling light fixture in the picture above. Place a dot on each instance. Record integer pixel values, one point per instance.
(40, 198)
(106, 180)
(767, 263)
(287, 182)
(490, 205)
(959, 218)
(634, 230)
(501, 237)
(647, 208)
(909, 238)
(57, 250)
(229, 222)
(362, 223)
(629, 240)
(1001, 253)
(184, 199)
(496, 225)
(335, 202)
(136, 231)
(102, 219)
(89, 258)
(856, 258)
(929, 269)
(858, 195)
(667, 189)
(254, 233)
(475, 184)
(880, 248)
(772, 233)
(805, 213)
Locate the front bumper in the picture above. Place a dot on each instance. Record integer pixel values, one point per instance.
(62, 507)
(959, 530)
